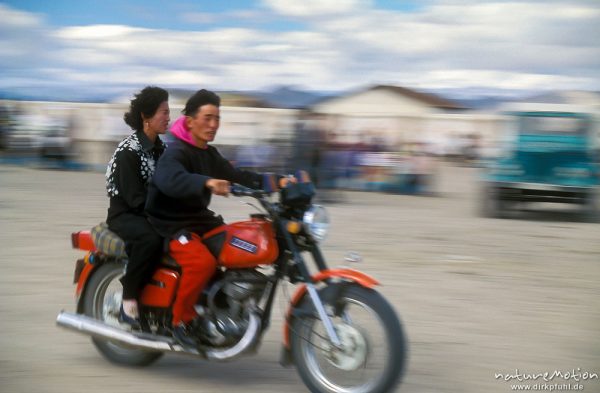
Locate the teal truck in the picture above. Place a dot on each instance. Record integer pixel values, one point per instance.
(550, 155)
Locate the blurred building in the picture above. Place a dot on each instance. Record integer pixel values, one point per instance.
(399, 116)
(95, 129)
(385, 118)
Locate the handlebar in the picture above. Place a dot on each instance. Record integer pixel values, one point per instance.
(241, 191)
(294, 196)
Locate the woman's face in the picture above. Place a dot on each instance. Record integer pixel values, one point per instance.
(205, 124)
(159, 123)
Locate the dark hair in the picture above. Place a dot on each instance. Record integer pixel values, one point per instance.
(200, 98)
(146, 103)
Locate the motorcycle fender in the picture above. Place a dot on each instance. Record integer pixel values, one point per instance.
(348, 275)
(83, 278)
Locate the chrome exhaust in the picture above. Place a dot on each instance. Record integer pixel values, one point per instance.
(83, 324)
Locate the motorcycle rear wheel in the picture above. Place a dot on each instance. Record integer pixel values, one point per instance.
(102, 300)
(374, 353)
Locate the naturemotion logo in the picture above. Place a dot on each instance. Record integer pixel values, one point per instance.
(548, 376)
(557, 380)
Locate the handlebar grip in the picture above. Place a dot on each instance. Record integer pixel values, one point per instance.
(239, 190)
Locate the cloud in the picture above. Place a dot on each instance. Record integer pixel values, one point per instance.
(489, 38)
(198, 17)
(18, 19)
(347, 44)
(22, 39)
(316, 8)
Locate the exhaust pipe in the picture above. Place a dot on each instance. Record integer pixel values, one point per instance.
(83, 324)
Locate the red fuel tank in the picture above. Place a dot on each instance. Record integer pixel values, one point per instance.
(244, 244)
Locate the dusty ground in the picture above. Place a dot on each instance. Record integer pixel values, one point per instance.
(477, 296)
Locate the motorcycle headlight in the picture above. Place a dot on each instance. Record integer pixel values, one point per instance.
(316, 222)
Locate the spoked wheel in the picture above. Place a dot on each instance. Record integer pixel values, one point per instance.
(102, 300)
(372, 353)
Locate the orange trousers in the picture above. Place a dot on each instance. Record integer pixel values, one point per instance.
(197, 267)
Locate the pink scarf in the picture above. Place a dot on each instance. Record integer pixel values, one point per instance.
(179, 130)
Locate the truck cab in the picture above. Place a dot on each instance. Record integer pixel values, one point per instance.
(550, 155)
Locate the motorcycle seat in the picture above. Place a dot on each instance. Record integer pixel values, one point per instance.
(109, 243)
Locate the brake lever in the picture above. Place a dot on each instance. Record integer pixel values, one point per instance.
(252, 205)
(238, 190)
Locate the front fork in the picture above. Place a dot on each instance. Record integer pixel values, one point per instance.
(309, 286)
(314, 296)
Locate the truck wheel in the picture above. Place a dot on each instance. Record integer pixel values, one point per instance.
(590, 211)
(491, 205)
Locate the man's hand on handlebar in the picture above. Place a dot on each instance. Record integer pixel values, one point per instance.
(223, 187)
(284, 181)
(219, 187)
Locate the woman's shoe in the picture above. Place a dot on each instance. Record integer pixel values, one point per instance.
(126, 319)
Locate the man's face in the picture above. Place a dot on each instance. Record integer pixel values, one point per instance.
(205, 124)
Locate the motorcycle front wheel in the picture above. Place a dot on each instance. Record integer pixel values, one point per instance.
(102, 300)
(372, 354)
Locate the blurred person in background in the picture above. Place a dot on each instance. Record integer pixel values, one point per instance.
(308, 146)
(4, 126)
(255, 157)
(422, 171)
(128, 174)
(187, 176)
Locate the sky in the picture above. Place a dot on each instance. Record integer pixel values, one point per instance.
(473, 46)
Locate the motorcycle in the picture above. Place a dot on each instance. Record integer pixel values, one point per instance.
(339, 333)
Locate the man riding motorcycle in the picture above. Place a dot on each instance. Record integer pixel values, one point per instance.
(188, 173)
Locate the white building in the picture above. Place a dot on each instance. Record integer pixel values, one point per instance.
(402, 116)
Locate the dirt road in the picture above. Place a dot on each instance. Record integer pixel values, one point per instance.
(477, 296)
